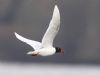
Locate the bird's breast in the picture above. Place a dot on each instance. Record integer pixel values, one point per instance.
(47, 51)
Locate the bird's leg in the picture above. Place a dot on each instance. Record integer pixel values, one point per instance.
(34, 54)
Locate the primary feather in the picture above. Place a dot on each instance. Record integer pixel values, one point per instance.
(35, 44)
(52, 29)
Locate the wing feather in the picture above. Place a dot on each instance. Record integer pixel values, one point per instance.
(35, 44)
(52, 29)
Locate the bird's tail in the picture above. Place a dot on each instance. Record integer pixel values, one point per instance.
(30, 52)
(33, 53)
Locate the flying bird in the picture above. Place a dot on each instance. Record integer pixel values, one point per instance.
(45, 48)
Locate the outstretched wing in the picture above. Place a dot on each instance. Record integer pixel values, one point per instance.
(35, 44)
(52, 29)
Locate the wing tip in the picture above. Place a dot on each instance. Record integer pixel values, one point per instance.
(16, 34)
(56, 7)
(19, 37)
(56, 10)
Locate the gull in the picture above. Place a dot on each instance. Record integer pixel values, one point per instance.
(45, 48)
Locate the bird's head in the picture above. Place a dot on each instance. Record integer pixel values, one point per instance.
(59, 50)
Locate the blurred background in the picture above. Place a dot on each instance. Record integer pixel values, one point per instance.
(79, 35)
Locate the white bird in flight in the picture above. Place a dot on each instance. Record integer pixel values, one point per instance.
(45, 48)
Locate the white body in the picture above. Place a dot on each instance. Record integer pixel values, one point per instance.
(45, 48)
(43, 51)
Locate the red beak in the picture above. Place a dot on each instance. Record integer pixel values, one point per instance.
(62, 51)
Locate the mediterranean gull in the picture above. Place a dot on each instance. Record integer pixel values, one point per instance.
(45, 48)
